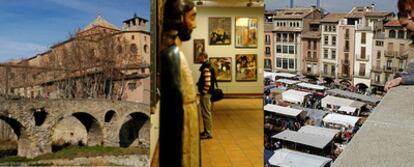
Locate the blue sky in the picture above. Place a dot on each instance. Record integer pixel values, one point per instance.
(335, 5)
(29, 27)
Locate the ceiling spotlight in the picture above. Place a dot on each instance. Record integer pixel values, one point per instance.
(199, 2)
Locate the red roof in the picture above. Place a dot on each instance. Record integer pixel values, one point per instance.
(393, 23)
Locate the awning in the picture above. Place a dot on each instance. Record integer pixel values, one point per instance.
(294, 96)
(327, 132)
(344, 120)
(347, 109)
(282, 110)
(369, 99)
(332, 100)
(289, 158)
(316, 141)
(273, 75)
(311, 86)
(288, 81)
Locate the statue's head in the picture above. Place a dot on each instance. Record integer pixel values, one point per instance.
(180, 15)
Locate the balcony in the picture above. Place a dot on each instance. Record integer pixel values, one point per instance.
(346, 49)
(359, 58)
(311, 59)
(389, 69)
(390, 54)
(400, 55)
(392, 121)
(377, 69)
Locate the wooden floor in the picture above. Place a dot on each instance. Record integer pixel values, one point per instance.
(238, 134)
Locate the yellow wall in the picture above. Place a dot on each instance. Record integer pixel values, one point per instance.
(201, 32)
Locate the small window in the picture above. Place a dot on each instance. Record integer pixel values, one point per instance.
(145, 48)
(392, 34)
(132, 37)
(132, 86)
(291, 49)
(279, 62)
(134, 49)
(278, 49)
(401, 34)
(267, 50)
(119, 49)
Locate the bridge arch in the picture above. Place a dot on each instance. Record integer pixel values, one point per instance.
(91, 135)
(17, 127)
(110, 116)
(93, 128)
(134, 129)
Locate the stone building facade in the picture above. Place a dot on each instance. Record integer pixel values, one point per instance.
(99, 61)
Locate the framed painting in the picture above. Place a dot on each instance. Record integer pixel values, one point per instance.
(222, 68)
(219, 30)
(199, 47)
(246, 67)
(246, 32)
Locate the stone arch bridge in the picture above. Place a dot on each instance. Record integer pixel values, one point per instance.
(107, 123)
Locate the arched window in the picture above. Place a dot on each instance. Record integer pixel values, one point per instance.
(145, 48)
(401, 34)
(119, 49)
(392, 34)
(134, 49)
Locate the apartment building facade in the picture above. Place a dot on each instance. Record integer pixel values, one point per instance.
(329, 61)
(392, 54)
(288, 26)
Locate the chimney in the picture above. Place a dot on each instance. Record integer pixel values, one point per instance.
(291, 3)
(318, 4)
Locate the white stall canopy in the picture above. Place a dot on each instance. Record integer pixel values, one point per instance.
(327, 132)
(308, 139)
(294, 96)
(364, 98)
(340, 119)
(288, 81)
(273, 75)
(289, 158)
(337, 101)
(282, 110)
(311, 86)
(347, 109)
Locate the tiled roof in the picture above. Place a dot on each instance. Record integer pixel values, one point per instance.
(293, 13)
(392, 23)
(333, 17)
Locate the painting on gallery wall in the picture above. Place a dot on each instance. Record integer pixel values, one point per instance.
(246, 67)
(222, 68)
(199, 47)
(219, 30)
(246, 32)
